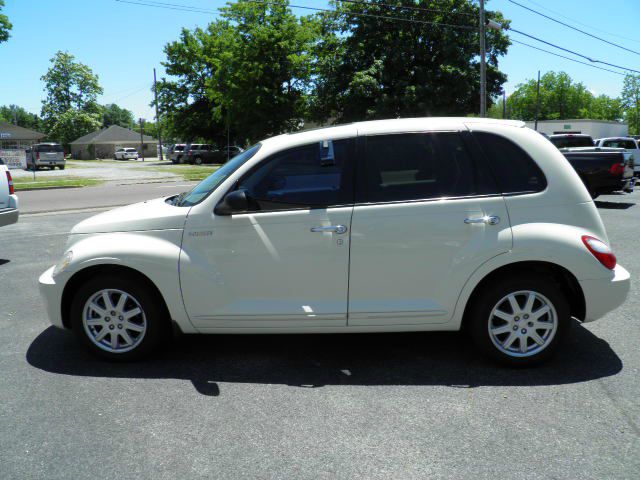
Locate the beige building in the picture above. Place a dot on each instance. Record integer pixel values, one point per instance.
(103, 143)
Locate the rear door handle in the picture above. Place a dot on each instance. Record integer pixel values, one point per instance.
(339, 229)
(487, 219)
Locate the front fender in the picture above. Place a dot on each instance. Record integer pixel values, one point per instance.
(155, 254)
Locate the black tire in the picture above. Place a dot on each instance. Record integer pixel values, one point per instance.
(490, 297)
(197, 160)
(61, 167)
(157, 324)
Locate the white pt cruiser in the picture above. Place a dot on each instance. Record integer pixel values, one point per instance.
(388, 226)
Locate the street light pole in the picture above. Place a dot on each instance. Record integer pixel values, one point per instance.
(158, 127)
(483, 64)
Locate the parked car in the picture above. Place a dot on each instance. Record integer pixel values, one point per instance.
(629, 144)
(9, 210)
(125, 154)
(226, 153)
(199, 153)
(177, 153)
(45, 155)
(570, 140)
(603, 172)
(398, 225)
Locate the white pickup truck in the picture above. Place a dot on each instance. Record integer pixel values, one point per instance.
(8, 199)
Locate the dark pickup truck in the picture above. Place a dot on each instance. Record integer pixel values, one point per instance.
(602, 172)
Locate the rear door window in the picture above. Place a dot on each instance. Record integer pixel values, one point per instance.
(50, 149)
(626, 144)
(514, 170)
(416, 166)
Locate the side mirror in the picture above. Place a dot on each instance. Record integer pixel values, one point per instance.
(233, 202)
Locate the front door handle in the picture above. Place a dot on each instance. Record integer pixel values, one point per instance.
(487, 219)
(339, 229)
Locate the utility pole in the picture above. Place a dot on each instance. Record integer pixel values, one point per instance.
(535, 127)
(141, 120)
(504, 104)
(483, 65)
(155, 93)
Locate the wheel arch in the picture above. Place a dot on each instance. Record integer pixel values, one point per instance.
(567, 281)
(83, 275)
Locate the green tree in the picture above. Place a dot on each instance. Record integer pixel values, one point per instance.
(19, 116)
(630, 99)
(112, 114)
(560, 98)
(73, 124)
(249, 71)
(604, 107)
(69, 85)
(5, 25)
(372, 67)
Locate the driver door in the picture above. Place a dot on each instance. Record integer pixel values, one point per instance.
(283, 262)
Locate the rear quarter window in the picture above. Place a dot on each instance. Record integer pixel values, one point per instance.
(515, 171)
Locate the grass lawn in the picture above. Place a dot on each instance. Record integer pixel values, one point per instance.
(189, 172)
(27, 183)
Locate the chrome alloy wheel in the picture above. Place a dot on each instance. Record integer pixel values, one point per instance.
(114, 320)
(523, 323)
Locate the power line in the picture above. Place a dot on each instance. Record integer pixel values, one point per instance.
(572, 52)
(407, 7)
(568, 58)
(170, 6)
(583, 24)
(370, 15)
(573, 28)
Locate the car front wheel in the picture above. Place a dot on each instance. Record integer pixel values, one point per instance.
(520, 322)
(118, 319)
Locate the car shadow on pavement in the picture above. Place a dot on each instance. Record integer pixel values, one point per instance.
(614, 205)
(312, 361)
(4, 261)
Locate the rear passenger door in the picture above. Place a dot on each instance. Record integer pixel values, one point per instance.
(428, 214)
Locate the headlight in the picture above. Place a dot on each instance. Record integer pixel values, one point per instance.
(64, 262)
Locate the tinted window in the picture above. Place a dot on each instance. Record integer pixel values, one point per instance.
(627, 144)
(422, 166)
(514, 169)
(178, 148)
(299, 178)
(49, 148)
(572, 141)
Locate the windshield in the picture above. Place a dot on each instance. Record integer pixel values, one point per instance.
(568, 142)
(178, 148)
(209, 184)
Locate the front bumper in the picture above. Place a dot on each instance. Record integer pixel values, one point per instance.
(51, 293)
(605, 294)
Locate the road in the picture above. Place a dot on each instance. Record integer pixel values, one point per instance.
(78, 199)
(399, 406)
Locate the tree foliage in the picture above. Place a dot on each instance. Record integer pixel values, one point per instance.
(73, 124)
(113, 114)
(371, 67)
(19, 116)
(69, 85)
(5, 25)
(630, 99)
(249, 71)
(260, 70)
(560, 98)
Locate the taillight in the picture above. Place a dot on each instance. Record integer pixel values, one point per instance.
(38, 156)
(601, 251)
(10, 181)
(617, 169)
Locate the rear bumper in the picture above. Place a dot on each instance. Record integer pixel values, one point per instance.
(51, 293)
(605, 294)
(9, 216)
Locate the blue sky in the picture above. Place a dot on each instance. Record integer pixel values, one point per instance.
(122, 43)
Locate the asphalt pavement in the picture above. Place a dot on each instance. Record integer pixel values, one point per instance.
(385, 406)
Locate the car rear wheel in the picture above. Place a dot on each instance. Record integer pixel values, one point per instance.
(118, 319)
(198, 160)
(520, 321)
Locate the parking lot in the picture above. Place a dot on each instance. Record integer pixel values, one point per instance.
(291, 406)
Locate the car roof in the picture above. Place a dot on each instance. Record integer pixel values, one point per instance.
(617, 138)
(386, 126)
